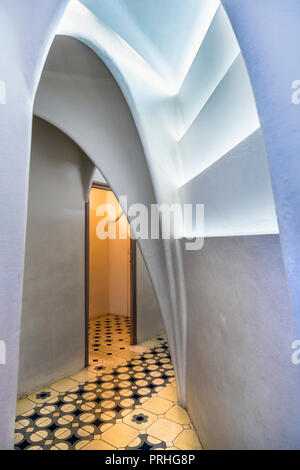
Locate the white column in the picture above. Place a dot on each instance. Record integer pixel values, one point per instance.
(27, 30)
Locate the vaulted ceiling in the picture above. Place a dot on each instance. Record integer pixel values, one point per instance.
(180, 68)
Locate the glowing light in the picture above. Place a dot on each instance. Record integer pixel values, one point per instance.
(79, 22)
(205, 15)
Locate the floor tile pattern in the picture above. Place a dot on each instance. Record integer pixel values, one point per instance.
(109, 336)
(125, 399)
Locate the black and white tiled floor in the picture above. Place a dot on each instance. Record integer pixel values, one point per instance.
(125, 399)
(109, 336)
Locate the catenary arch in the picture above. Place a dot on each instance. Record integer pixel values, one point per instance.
(89, 106)
(172, 147)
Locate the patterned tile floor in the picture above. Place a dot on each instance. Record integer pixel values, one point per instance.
(125, 399)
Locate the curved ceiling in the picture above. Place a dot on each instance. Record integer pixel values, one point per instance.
(181, 71)
(166, 33)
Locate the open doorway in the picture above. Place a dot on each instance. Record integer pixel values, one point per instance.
(110, 281)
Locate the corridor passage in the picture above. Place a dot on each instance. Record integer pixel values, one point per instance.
(125, 399)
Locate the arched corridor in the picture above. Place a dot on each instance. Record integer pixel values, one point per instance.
(188, 112)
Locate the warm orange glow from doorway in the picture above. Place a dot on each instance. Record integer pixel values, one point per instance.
(109, 263)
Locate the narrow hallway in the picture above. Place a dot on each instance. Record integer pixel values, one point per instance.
(149, 182)
(125, 399)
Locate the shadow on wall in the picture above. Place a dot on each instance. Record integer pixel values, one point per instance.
(242, 388)
(52, 333)
(52, 343)
(149, 321)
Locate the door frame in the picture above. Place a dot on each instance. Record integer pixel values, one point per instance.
(133, 278)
